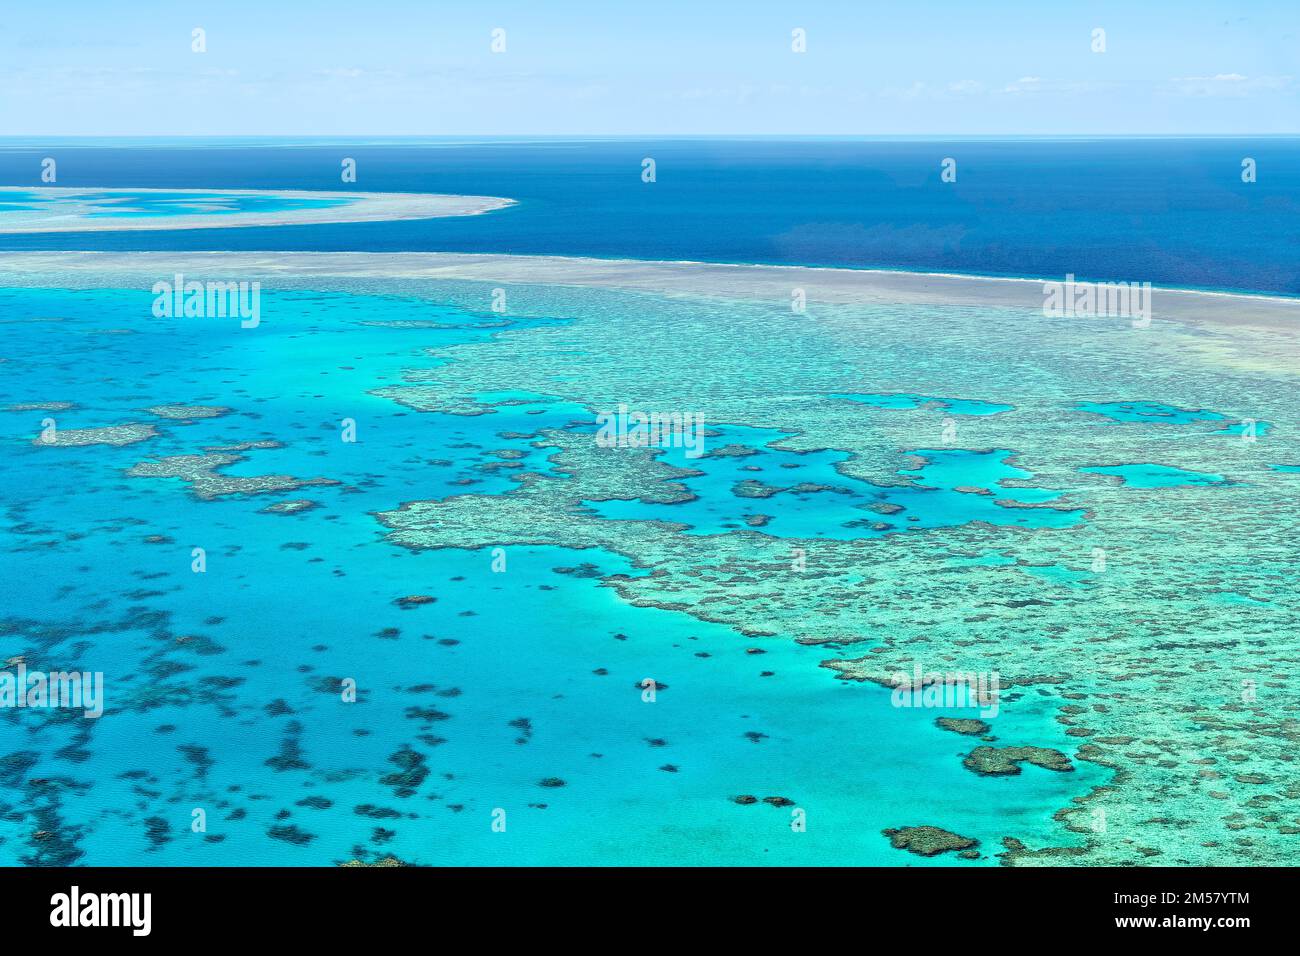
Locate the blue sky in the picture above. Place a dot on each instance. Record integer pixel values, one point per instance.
(329, 68)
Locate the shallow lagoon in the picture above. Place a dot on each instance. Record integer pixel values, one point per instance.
(1156, 476)
(154, 203)
(804, 495)
(223, 686)
(1128, 626)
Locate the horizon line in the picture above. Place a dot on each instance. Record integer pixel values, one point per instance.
(9, 137)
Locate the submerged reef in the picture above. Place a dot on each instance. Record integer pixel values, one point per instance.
(291, 507)
(963, 725)
(1143, 633)
(930, 841)
(202, 473)
(1164, 623)
(187, 412)
(40, 407)
(115, 435)
(1003, 761)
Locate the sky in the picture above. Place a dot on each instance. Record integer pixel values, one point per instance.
(659, 67)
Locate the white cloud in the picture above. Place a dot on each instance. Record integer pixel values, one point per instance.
(1228, 84)
(1026, 84)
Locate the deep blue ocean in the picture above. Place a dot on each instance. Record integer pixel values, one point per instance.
(1168, 211)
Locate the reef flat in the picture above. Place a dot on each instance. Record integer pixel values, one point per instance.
(1144, 632)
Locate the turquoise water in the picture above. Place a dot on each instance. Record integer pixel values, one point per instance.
(202, 204)
(1240, 429)
(1149, 413)
(1154, 413)
(901, 401)
(133, 205)
(1156, 476)
(806, 496)
(223, 687)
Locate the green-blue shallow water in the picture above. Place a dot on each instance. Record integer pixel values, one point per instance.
(223, 687)
(398, 489)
